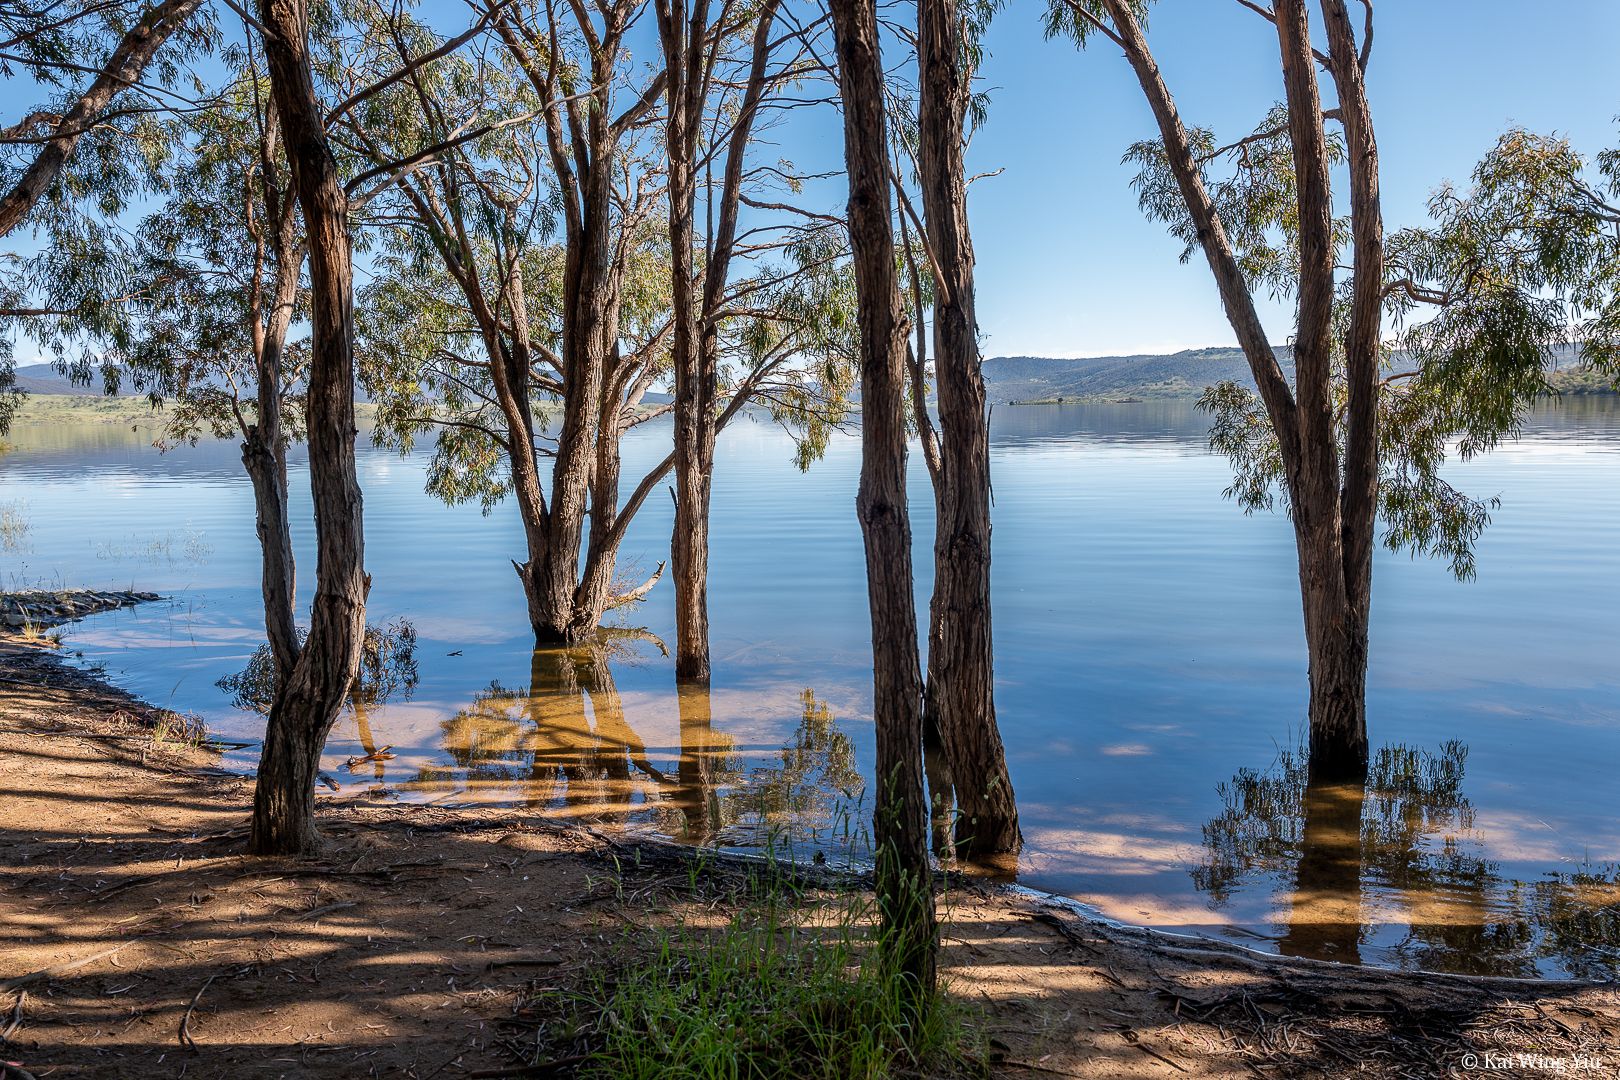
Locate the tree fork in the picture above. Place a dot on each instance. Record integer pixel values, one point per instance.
(307, 703)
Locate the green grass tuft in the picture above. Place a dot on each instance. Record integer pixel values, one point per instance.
(786, 989)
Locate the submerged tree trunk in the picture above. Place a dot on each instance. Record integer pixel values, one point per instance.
(307, 702)
(961, 680)
(904, 878)
(1336, 641)
(1333, 502)
(691, 50)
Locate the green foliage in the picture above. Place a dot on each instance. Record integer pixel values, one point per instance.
(784, 990)
(1255, 196)
(1526, 259)
(799, 356)
(1063, 18)
(1417, 426)
(65, 294)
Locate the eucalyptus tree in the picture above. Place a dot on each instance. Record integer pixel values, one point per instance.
(74, 160)
(745, 300)
(512, 346)
(904, 879)
(1477, 300)
(960, 690)
(312, 690)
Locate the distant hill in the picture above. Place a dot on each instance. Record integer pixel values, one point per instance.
(45, 379)
(1039, 379)
(1104, 378)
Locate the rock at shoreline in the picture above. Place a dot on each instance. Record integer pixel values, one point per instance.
(47, 607)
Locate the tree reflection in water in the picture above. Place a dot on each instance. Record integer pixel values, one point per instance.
(387, 670)
(1336, 853)
(564, 744)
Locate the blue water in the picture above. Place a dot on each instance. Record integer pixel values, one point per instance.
(1148, 650)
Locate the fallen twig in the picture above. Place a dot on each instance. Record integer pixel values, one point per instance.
(185, 1021)
(131, 883)
(544, 1068)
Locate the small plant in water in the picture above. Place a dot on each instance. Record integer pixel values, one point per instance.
(14, 527)
(184, 729)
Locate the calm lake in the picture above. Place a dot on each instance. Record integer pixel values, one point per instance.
(1150, 672)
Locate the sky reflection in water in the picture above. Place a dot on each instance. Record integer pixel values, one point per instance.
(1150, 673)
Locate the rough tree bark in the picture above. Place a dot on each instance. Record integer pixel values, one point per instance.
(904, 880)
(307, 702)
(264, 450)
(1333, 508)
(122, 70)
(690, 54)
(583, 138)
(961, 682)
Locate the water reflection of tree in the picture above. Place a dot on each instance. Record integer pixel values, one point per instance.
(387, 667)
(1409, 831)
(808, 793)
(564, 740)
(1579, 914)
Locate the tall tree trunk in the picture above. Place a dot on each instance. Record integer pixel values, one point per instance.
(1363, 349)
(264, 450)
(1335, 636)
(689, 59)
(904, 878)
(961, 681)
(684, 48)
(1333, 509)
(307, 703)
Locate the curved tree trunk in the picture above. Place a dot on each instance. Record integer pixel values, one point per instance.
(961, 679)
(904, 878)
(307, 703)
(264, 450)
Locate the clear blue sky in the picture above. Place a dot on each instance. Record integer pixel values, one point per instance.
(1067, 264)
(1069, 267)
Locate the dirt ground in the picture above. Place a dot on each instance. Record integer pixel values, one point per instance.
(137, 941)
